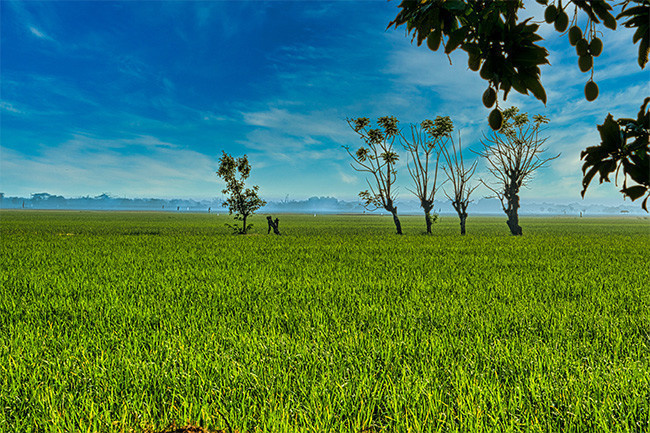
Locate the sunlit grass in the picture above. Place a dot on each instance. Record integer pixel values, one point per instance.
(118, 321)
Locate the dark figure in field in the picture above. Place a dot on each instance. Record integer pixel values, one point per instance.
(273, 225)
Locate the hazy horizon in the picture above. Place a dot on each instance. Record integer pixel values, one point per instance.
(311, 205)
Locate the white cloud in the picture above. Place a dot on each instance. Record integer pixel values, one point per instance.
(6, 106)
(85, 165)
(301, 122)
(411, 65)
(38, 33)
(346, 178)
(33, 19)
(270, 145)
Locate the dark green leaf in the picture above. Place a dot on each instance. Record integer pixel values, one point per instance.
(635, 192)
(454, 5)
(643, 117)
(640, 32)
(529, 55)
(586, 6)
(456, 38)
(593, 155)
(535, 86)
(506, 86)
(636, 10)
(609, 21)
(605, 168)
(636, 21)
(586, 180)
(643, 51)
(472, 49)
(602, 9)
(638, 173)
(518, 84)
(610, 133)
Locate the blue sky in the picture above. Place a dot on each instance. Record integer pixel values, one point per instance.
(138, 99)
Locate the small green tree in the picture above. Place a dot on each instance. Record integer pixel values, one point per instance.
(242, 202)
(378, 159)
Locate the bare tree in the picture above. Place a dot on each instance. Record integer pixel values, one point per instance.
(426, 141)
(459, 177)
(513, 155)
(378, 159)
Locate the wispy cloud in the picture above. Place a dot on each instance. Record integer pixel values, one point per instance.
(417, 66)
(32, 20)
(301, 122)
(150, 168)
(8, 107)
(38, 33)
(347, 178)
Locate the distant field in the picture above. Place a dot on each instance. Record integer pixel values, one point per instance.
(112, 321)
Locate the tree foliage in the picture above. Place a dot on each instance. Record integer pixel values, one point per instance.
(377, 157)
(505, 49)
(512, 155)
(425, 143)
(615, 153)
(241, 201)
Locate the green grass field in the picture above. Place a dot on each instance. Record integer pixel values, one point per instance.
(129, 321)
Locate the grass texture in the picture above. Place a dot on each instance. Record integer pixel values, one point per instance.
(116, 321)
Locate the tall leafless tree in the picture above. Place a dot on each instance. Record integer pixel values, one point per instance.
(423, 147)
(378, 158)
(459, 177)
(513, 155)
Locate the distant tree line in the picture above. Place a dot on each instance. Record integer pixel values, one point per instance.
(44, 200)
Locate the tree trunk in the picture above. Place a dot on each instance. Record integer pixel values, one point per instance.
(460, 209)
(513, 215)
(513, 223)
(244, 228)
(276, 226)
(398, 225)
(429, 220)
(393, 210)
(512, 197)
(273, 225)
(426, 207)
(463, 218)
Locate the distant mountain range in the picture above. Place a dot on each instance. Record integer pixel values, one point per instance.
(313, 205)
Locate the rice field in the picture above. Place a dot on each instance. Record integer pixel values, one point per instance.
(117, 322)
